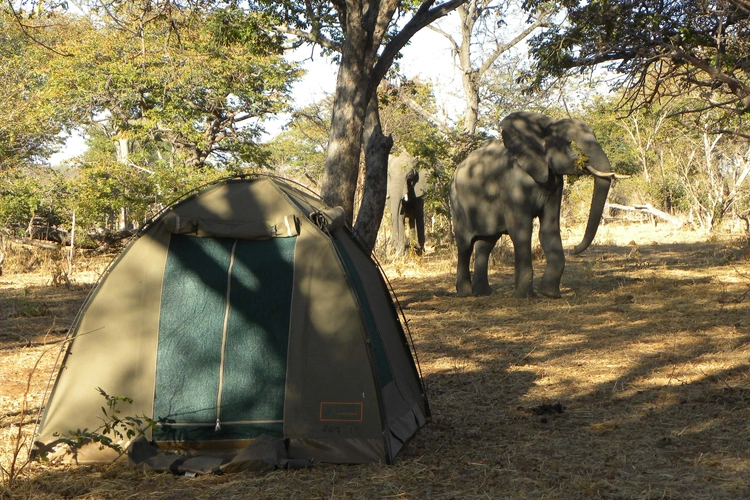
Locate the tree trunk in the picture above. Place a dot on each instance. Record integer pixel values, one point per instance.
(347, 122)
(123, 148)
(470, 76)
(471, 93)
(376, 177)
(365, 25)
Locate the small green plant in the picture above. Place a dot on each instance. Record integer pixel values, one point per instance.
(27, 308)
(110, 434)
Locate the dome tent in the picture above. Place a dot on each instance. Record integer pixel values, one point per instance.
(247, 309)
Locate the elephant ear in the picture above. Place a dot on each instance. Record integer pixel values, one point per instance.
(524, 137)
(563, 155)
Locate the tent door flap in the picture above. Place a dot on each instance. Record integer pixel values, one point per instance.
(223, 338)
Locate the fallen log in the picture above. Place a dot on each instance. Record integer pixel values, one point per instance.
(648, 208)
(29, 243)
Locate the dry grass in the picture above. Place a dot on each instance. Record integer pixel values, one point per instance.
(634, 385)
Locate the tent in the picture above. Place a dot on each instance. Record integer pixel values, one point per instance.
(246, 309)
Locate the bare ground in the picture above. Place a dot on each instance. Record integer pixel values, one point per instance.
(634, 385)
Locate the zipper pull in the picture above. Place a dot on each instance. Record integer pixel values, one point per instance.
(218, 425)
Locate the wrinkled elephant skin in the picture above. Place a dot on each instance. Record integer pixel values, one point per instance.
(504, 185)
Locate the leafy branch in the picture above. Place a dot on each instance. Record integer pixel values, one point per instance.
(113, 431)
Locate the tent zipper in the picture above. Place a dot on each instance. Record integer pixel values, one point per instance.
(227, 310)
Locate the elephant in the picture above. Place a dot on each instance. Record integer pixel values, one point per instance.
(502, 186)
(406, 189)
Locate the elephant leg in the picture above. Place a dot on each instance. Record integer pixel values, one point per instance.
(403, 237)
(549, 236)
(480, 284)
(419, 222)
(398, 233)
(463, 275)
(412, 229)
(519, 229)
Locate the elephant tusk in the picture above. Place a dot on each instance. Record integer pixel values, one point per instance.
(605, 175)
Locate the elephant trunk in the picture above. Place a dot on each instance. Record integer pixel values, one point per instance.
(599, 160)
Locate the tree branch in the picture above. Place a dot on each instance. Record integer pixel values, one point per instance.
(423, 17)
(315, 38)
(445, 35)
(541, 21)
(30, 36)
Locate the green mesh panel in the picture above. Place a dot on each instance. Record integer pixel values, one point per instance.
(190, 325)
(255, 373)
(190, 338)
(381, 359)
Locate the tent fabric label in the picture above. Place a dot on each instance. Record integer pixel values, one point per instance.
(341, 412)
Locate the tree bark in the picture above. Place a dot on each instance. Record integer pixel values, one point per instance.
(123, 148)
(349, 104)
(469, 76)
(378, 147)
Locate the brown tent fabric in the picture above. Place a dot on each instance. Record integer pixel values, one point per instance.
(245, 317)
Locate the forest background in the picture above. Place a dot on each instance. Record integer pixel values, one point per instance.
(171, 95)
